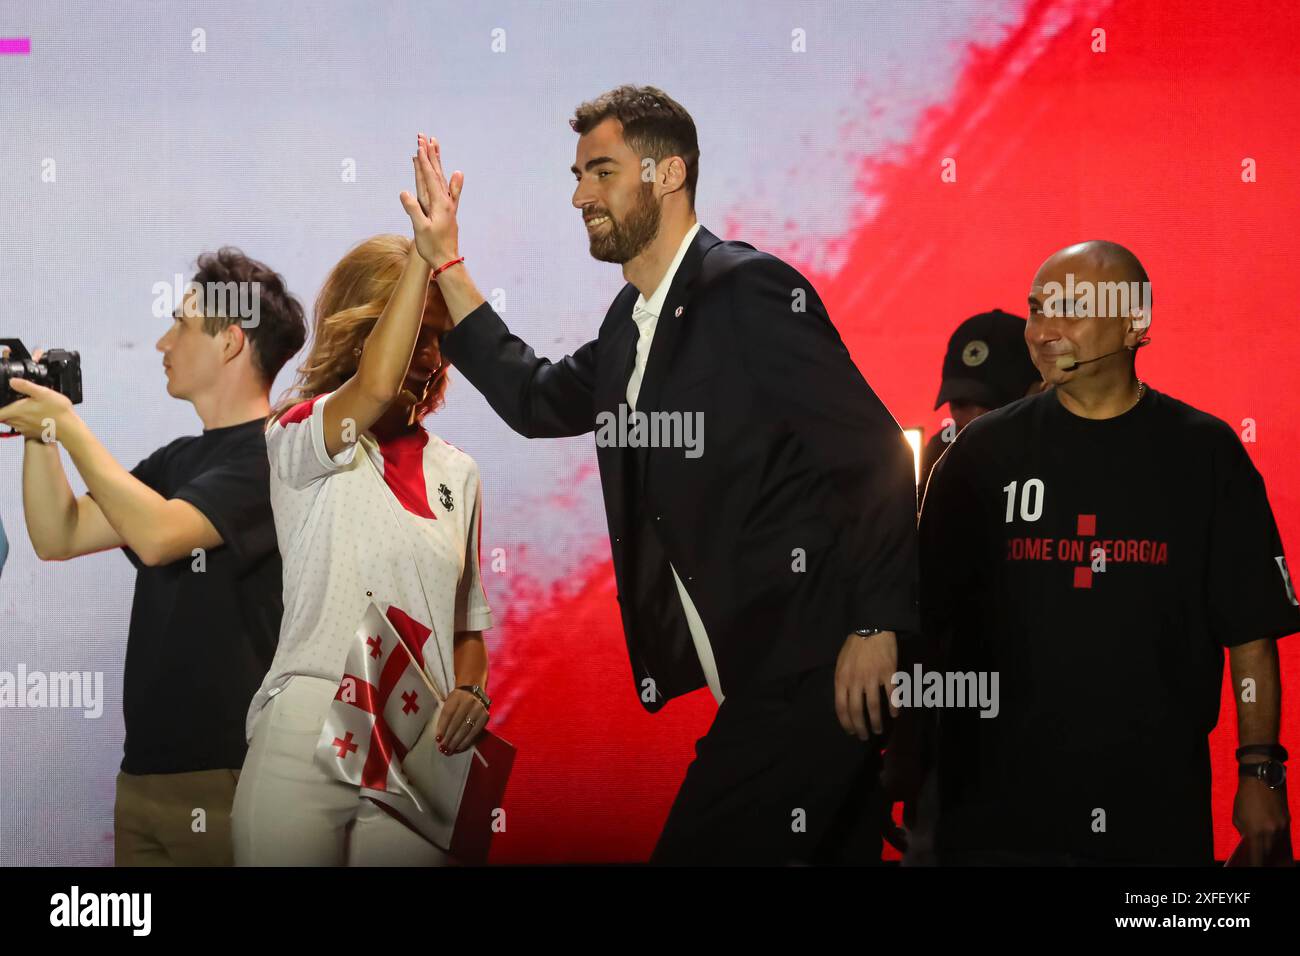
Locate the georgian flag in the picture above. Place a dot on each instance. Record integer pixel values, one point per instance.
(382, 706)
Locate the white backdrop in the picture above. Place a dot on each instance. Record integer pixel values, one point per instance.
(124, 152)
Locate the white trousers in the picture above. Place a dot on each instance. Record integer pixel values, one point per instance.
(289, 812)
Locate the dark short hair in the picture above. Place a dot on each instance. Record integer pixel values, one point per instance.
(281, 328)
(654, 125)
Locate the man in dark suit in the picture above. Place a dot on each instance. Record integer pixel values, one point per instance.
(761, 508)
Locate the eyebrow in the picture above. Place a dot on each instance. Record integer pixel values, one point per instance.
(592, 163)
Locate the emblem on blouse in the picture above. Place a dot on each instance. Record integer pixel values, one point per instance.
(444, 495)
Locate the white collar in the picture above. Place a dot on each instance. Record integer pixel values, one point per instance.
(656, 300)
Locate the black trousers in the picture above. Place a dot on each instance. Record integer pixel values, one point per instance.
(777, 781)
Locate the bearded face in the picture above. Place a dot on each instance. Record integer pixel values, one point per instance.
(615, 239)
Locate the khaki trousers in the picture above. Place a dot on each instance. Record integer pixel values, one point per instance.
(174, 819)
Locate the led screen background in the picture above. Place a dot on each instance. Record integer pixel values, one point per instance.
(824, 128)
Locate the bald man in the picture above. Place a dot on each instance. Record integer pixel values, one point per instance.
(1097, 546)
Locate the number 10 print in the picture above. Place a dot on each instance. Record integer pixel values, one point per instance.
(1031, 500)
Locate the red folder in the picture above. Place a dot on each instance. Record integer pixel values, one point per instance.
(480, 804)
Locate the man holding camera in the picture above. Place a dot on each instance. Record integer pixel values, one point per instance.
(195, 520)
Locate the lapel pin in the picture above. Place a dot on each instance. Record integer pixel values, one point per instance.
(678, 313)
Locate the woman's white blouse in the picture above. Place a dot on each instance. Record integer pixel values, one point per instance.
(344, 533)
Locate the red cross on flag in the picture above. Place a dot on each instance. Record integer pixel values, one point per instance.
(382, 707)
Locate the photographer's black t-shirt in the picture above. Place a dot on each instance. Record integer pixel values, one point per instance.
(201, 641)
(1099, 567)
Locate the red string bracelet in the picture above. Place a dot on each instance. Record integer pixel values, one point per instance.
(446, 265)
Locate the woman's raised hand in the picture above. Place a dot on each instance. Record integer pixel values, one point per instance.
(433, 209)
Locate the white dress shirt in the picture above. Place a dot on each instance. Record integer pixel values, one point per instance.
(646, 315)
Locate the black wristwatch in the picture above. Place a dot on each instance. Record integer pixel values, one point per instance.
(477, 691)
(1271, 773)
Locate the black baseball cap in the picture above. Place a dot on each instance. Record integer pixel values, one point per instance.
(987, 362)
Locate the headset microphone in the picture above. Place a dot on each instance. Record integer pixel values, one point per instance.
(1067, 363)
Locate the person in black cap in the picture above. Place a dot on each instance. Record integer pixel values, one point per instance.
(987, 366)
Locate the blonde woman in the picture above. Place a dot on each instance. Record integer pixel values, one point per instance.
(373, 373)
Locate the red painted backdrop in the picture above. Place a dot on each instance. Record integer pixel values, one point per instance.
(1054, 143)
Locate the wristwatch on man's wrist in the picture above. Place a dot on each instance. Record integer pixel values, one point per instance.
(866, 632)
(478, 692)
(1271, 771)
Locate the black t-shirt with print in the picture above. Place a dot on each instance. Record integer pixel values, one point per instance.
(1099, 567)
(201, 641)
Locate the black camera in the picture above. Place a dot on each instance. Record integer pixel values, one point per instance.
(58, 369)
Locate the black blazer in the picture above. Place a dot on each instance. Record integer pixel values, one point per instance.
(797, 523)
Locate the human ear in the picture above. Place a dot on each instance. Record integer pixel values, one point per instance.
(674, 175)
(234, 340)
(1137, 330)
